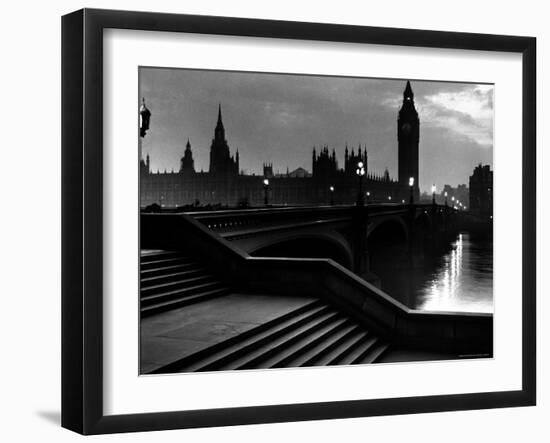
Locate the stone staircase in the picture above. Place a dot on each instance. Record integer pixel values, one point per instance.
(313, 335)
(172, 279)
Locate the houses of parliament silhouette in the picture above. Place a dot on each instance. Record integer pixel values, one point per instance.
(224, 185)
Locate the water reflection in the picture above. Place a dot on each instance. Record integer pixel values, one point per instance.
(459, 278)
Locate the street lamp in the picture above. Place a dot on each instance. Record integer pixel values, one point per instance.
(446, 198)
(368, 196)
(360, 171)
(266, 191)
(389, 197)
(411, 185)
(144, 118)
(331, 189)
(433, 194)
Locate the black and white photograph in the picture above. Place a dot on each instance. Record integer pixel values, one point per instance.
(291, 220)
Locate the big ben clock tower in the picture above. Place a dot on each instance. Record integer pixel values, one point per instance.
(408, 134)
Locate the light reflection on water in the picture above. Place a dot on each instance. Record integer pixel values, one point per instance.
(460, 279)
(463, 281)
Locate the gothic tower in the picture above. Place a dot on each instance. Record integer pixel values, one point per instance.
(221, 161)
(187, 163)
(408, 135)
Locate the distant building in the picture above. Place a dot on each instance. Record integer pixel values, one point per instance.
(223, 183)
(268, 170)
(481, 190)
(460, 193)
(297, 173)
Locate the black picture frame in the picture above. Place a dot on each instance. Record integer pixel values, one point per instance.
(82, 215)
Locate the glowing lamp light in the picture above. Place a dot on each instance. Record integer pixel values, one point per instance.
(411, 181)
(266, 182)
(389, 197)
(433, 189)
(360, 171)
(445, 193)
(331, 189)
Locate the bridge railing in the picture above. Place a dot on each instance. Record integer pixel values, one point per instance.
(229, 220)
(244, 218)
(322, 278)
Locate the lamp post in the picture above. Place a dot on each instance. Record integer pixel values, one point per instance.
(446, 198)
(266, 191)
(144, 118)
(360, 171)
(368, 197)
(359, 226)
(433, 194)
(331, 189)
(411, 187)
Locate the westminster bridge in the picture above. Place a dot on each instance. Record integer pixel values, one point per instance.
(322, 252)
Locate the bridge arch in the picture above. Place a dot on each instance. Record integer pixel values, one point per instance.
(388, 230)
(331, 245)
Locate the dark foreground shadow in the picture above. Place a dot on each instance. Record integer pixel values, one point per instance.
(53, 417)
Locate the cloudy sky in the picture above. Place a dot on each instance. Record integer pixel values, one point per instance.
(279, 118)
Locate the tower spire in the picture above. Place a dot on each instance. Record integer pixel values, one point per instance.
(219, 132)
(408, 94)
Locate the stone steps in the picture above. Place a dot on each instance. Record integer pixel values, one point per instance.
(316, 334)
(171, 279)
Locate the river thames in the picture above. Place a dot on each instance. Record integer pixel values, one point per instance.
(457, 278)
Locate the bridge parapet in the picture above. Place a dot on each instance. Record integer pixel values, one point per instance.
(230, 220)
(222, 221)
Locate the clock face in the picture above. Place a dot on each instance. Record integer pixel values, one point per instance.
(406, 128)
